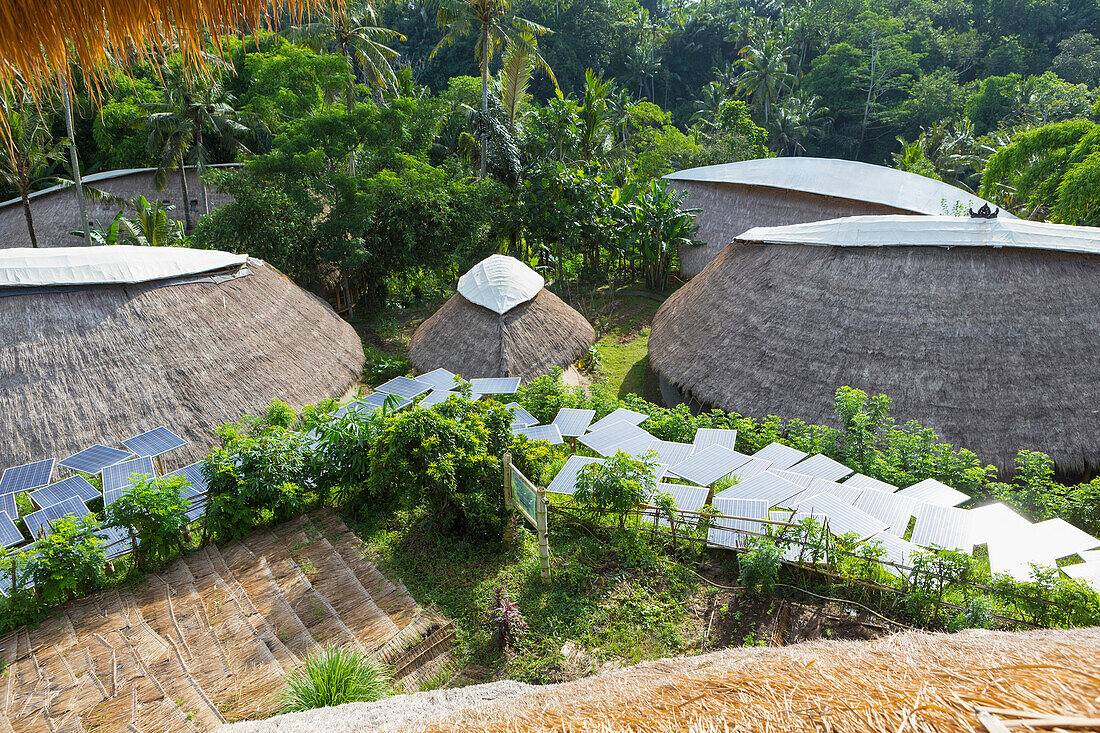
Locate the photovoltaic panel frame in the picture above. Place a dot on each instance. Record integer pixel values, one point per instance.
(155, 442)
(781, 456)
(77, 486)
(495, 385)
(116, 478)
(573, 422)
(27, 477)
(94, 459)
(440, 379)
(631, 416)
(565, 482)
(404, 387)
(38, 523)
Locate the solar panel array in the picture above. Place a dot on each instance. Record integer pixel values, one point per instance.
(440, 379)
(521, 418)
(821, 466)
(781, 456)
(404, 387)
(116, 478)
(27, 477)
(944, 526)
(155, 442)
(9, 533)
(729, 530)
(38, 523)
(549, 433)
(495, 385)
(94, 459)
(572, 422)
(706, 437)
(931, 491)
(74, 486)
(709, 465)
(565, 482)
(621, 414)
(606, 440)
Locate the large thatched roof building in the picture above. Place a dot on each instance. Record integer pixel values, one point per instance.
(986, 330)
(502, 322)
(734, 197)
(98, 344)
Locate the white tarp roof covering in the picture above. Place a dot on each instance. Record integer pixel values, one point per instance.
(846, 179)
(500, 283)
(931, 231)
(26, 267)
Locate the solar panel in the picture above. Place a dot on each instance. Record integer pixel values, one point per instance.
(95, 459)
(404, 387)
(565, 482)
(996, 523)
(606, 440)
(931, 491)
(521, 418)
(9, 533)
(197, 488)
(861, 481)
(727, 531)
(765, 486)
(391, 402)
(630, 416)
(892, 509)
(709, 465)
(847, 494)
(116, 478)
(1014, 560)
(38, 523)
(637, 446)
(799, 479)
(944, 526)
(549, 433)
(1058, 538)
(687, 498)
(573, 422)
(26, 477)
(435, 397)
(495, 385)
(821, 466)
(897, 550)
(842, 518)
(750, 468)
(1090, 555)
(706, 437)
(671, 452)
(1088, 572)
(116, 541)
(781, 456)
(156, 442)
(8, 505)
(439, 379)
(77, 486)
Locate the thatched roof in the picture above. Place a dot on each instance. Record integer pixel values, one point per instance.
(100, 363)
(994, 348)
(907, 682)
(527, 341)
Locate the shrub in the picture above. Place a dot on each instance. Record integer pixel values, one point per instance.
(379, 366)
(157, 514)
(507, 621)
(334, 676)
(67, 562)
(759, 565)
(616, 486)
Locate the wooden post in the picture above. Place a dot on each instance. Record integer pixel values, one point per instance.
(544, 540)
(509, 508)
(573, 444)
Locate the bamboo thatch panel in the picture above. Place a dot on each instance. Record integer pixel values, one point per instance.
(729, 209)
(907, 682)
(527, 341)
(993, 348)
(100, 364)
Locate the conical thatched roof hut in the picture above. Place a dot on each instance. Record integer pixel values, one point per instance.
(502, 322)
(733, 197)
(98, 344)
(986, 330)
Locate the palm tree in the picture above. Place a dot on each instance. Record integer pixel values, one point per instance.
(798, 118)
(150, 226)
(177, 127)
(495, 25)
(765, 74)
(708, 108)
(354, 31)
(28, 148)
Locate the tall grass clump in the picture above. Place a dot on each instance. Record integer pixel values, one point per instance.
(334, 676)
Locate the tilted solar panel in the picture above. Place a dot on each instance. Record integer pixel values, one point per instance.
(729, 530)
(944, 526)
(751, 467)
(391, 402)
(439, 379)
(116, 541)
(671, 452)
(892, 509)
(861, 481)
(931, 491)
(573, 422)
(709, 465)
(9, 533)
(356, 407)
(799, 479)
(8, 505)
(847, 494)
(765, 486)
(996, 523)
(606, 440)
(94, 459)
(842, 518)
(27, 477)
(896, 550)
(39, 522)
(436, 397)
(706, 437)
(155, 442)
(781, 456)
(621, 414)
(821, 466)
(565, 482)
(495, 385)
(116, 478)
(521, 418)
(404, 387)
(549, 433)
(77, 486)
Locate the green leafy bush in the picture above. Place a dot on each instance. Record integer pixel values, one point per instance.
(68, 562)
(154, 510)
(758, 565)
(380, 367)
(617, 485)
(335, 676)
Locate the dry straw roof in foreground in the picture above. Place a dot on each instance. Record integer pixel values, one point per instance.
(907, 683)
(994, 348)
(90, 364)
(526, 340)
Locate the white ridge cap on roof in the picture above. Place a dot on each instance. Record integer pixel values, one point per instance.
(900, 230)
(500, 283)
(846, 179)
(25, 267)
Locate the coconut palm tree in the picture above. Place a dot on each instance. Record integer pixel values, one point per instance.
(353, 30)
(708, 108)
(765, 74)
(28, 149)
(496, 25)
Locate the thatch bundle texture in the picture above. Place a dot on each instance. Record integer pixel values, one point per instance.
(101, 363)
(996, 349)
(907, 682)
(527, 341)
